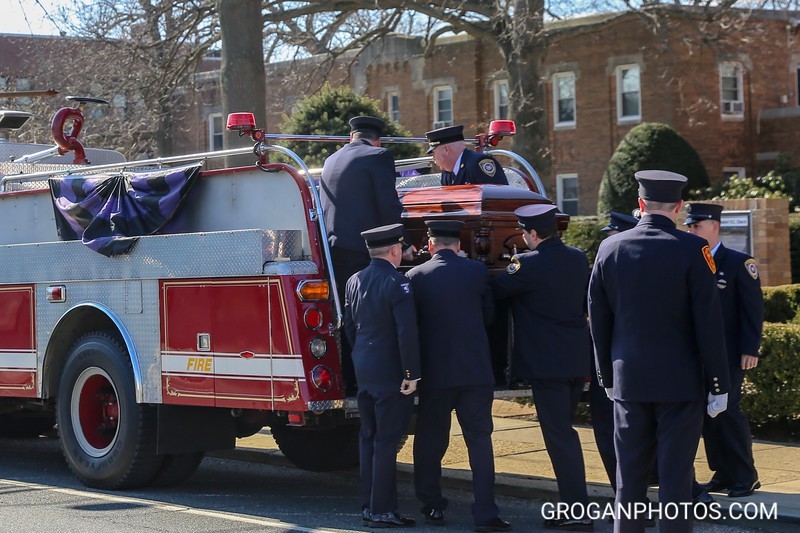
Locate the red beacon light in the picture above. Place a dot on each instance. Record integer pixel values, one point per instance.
(502, 128)
(245, 124)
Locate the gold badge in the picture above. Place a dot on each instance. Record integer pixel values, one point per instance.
(514, 266)
(751, 267)
(709, 259)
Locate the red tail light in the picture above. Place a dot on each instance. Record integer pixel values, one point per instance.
(313, 318)
(322, 377)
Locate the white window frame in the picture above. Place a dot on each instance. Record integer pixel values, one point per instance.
(439, 121)
(502, 100)
(727, 172)
(212, 133)
(560, 179)
(732, 108)
(619, 73)
(392, 109)
(557, 99)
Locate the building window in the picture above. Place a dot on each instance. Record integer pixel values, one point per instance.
(501, 111)
(23, 84)
(567, 193)
(730, 83)
(729, 172)
(564, 99)
(216, 128)
(393, 106)
(442, 107)
(629, 96)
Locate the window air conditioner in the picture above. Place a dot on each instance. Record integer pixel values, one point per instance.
(732, 107)
(441, 124)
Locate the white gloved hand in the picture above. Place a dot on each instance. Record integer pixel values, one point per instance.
(610, 393)
(717, 403)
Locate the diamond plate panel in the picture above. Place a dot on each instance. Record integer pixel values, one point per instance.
(187, 255)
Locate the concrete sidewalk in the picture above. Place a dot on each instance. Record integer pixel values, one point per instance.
(524, 470)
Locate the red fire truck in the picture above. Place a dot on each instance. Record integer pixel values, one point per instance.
(220, 321)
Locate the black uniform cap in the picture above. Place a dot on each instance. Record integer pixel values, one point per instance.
(365, 123)
(449, 134)
(444, 228)
(698, 212)
(540, 217)
(620, 222)
(383, 235)
(660, 185)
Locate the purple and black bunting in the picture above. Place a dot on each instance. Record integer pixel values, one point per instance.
(109, 212)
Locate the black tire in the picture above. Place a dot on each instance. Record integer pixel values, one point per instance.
(176, 468)
(107, 438)
(318, 450)
(26, 424)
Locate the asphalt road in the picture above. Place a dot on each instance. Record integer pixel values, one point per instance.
(38, 493)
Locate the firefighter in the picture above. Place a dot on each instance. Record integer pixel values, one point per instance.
(357, 192)
(453, 306)
(459, 164)
(552, 350)
(618, 222)
(381, 325)
(657, 329)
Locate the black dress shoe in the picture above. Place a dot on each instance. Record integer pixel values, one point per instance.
(434, 516)
(569, 524)
(366, 516)
(704, 498)
(390, 520)
(740, 490)
(716, 485)
(495, 524)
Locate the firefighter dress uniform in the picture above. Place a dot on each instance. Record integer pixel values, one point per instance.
(471, 167)
(381, 324)
(657, 328)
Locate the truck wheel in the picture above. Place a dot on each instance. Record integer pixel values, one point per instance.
(24, 424)
(318, 450)
(177, 468)
(107, 438)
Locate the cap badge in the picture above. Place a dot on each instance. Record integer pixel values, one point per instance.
(514, 266)
(709, 259)
(488, 167)
(751, 267)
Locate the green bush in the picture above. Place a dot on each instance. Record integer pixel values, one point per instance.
(585, 233)
(794, 246)
(771, 391)
(770, 185)
(781, 303)
(648, 146)
(327, 113)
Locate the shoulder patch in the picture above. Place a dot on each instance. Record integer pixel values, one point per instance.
(406, 287)
(514, 266)
(488, 167)
(751, 267)
(709, 259)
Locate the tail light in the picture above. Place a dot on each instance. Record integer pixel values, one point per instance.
(313, 290)
(318, 347)
(322, 378)
(313, 318)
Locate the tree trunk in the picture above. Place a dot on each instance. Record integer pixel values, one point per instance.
(242, 77)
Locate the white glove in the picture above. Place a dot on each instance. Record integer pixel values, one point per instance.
(717, 403)
(610, 393)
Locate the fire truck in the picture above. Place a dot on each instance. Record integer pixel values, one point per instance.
(205, 313)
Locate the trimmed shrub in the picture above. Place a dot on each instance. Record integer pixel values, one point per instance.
(327, 113)
(781, 303)
(794, 246)
(585, 233)
(650, 145)
(771, 391)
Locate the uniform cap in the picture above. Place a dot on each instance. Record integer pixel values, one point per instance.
(438, 137)
(365, 123)
(698, 212)
(383, 235)
(620, 222)
(660, 185)
(444, 228)
(540, 217)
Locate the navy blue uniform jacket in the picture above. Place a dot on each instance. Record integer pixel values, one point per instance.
(453, 306)
(476, 168)
(548, 303)
(655, 315)
(357, 193)
(381, 324)
(742, 303)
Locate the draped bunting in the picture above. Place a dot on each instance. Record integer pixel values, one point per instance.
(108, 212)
